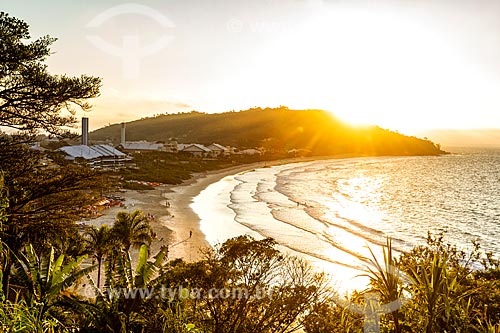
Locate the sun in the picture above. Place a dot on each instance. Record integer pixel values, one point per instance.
(367, 67)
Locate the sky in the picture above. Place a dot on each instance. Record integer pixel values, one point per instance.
(406, 65)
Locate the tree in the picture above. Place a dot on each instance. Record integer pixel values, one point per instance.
(246, 285)
(441, 285)
(99, 241)
(3, 205)
(30, 97)
(43, 201)
(132, 229)
(330, 317)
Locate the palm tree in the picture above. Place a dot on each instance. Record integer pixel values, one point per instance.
(132, 229)
(100, 242)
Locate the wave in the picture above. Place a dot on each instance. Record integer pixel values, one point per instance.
(333, 211)
(283, 218)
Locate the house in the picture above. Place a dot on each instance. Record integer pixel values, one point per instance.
(199, 150)
(171, 147)
(218, 150)
(97, 156)
(195, 149)
(139, 146)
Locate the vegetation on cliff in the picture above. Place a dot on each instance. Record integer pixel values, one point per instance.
(275, 129)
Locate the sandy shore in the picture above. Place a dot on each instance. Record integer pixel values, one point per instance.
(176, 224)
(184, 221)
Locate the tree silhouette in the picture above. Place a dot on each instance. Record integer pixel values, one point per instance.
(43, 202)
(99, 241)
(30, 97)
(132, 229)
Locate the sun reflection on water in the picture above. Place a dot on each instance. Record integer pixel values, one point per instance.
(356, 200)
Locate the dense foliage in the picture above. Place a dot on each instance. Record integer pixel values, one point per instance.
(168, 168)
(274, 293)
(246, 285)
(437, 288)
(45, 195)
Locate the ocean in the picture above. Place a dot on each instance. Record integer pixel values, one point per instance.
(330, 212)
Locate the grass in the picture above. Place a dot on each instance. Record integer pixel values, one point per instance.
(170, 168)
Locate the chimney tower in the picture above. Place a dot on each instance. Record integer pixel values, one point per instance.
(85, 131)
(122, 137)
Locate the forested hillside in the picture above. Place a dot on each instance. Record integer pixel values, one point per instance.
(277, 129)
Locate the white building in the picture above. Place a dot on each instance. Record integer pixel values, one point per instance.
(218, 150)
(195, 149)
(138, 146)
(98, 156)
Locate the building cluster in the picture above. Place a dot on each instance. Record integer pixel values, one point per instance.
(195, 149)
(107, 156)
(96, 156)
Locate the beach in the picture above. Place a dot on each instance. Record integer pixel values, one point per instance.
(327, 211)
(333, 212)
(174, 222)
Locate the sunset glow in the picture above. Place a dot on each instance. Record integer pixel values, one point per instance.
(250, 166)
(402, 66)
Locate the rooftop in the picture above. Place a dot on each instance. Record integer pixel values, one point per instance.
(91, 152)
(142, 145)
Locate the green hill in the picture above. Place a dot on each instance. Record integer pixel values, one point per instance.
(277, 129)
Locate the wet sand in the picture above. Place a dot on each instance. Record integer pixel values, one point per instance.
(175, 223)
